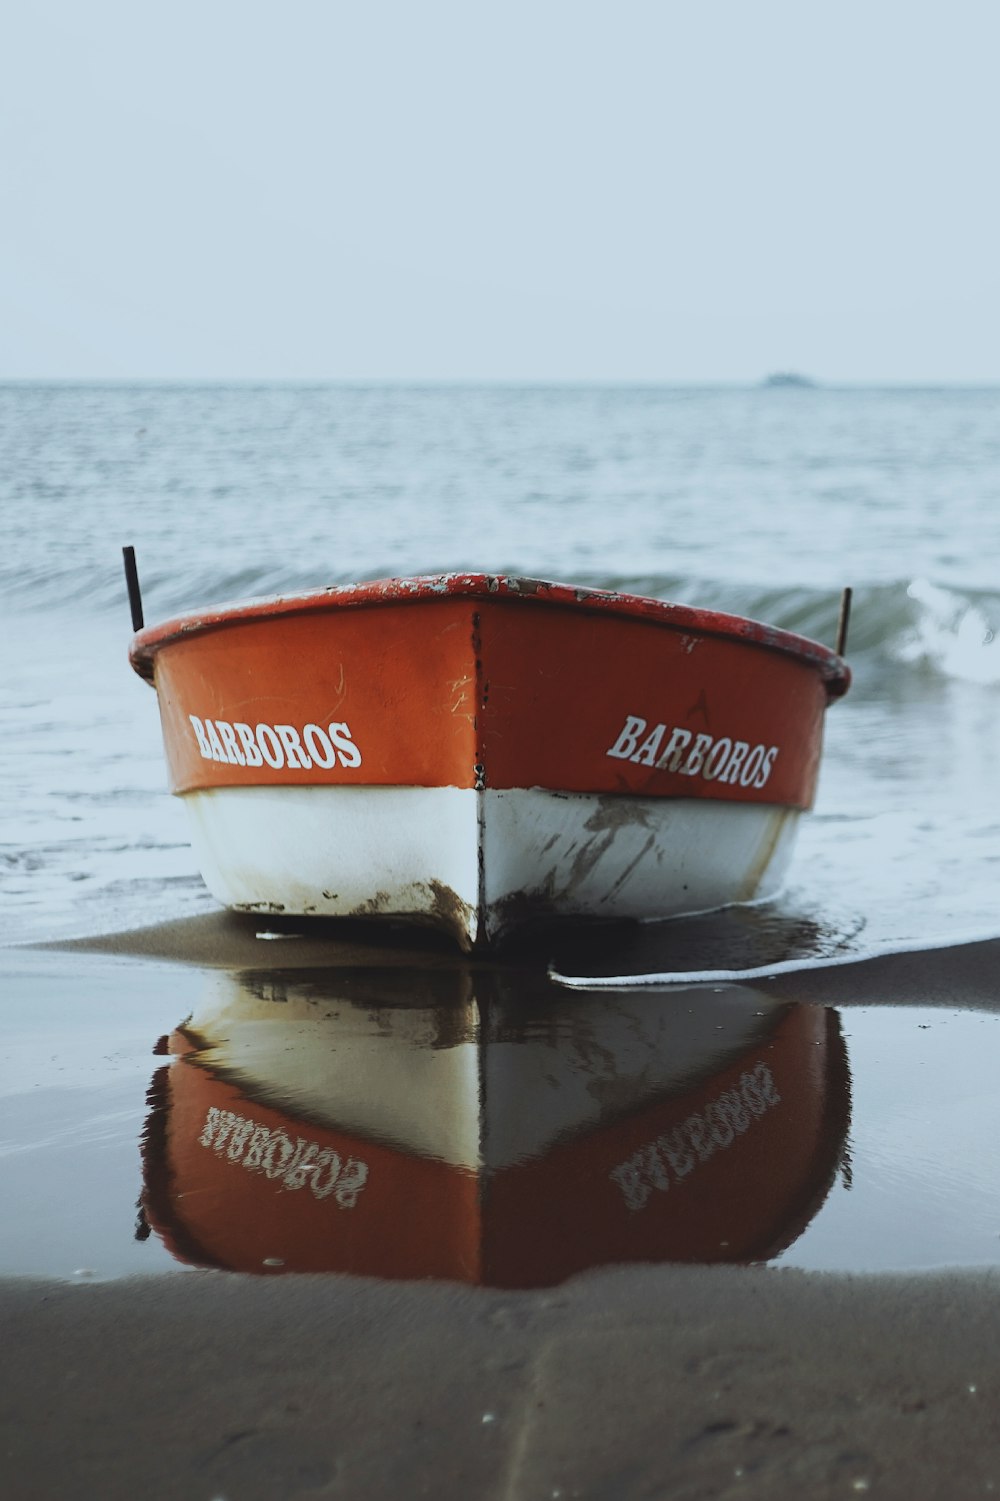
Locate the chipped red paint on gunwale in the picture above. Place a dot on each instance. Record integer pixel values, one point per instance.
(833, 670)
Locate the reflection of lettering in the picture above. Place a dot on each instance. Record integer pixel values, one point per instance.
(688, 755)
(702, 1135)
(292, 1164)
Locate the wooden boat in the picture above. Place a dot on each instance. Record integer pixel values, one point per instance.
(482, 1127)
(477, 751)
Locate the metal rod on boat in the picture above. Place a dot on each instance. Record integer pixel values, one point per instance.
(134, 594)
(844, 621)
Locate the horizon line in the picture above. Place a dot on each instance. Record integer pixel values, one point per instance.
(800, 384)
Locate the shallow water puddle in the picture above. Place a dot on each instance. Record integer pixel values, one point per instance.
(922, 1181)
(480, 1125)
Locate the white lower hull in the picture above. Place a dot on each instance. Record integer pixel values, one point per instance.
(462, 1080)
(478, 863)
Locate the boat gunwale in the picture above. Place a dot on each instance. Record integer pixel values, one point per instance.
(435, 588)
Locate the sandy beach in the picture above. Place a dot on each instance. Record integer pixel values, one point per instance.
(678, 1381)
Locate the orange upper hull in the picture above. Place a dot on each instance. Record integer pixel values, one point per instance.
(474, 681)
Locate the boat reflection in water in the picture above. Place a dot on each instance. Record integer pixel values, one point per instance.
(488, 1128)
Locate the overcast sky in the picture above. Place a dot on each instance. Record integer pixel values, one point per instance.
(691, 191)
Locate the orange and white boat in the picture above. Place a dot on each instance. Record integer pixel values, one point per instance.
(478, 751)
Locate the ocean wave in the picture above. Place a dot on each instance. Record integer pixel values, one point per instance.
(911, 624)
(915, 624)
(953, 633)
(165, 592)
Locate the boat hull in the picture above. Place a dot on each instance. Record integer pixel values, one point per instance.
(477, 752)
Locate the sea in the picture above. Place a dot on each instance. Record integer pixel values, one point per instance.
(765, 501)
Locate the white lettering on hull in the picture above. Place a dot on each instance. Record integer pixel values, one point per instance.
(276, 745)
(259, 1149)
(722, 759)
(701, 1136)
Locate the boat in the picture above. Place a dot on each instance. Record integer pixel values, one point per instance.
(479, 1125)
(481, 752)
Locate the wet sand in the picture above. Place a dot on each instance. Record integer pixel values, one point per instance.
(680, 1382)
(967, 975)
(227, 940)
(672, 1381)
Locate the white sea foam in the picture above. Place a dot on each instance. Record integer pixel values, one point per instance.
(687, 978)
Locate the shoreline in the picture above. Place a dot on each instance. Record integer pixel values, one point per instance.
(954, 974)
(620, 1383)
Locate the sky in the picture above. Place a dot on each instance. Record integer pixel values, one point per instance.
(545, 191)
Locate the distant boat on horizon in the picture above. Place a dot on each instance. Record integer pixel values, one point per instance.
(789, 378)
